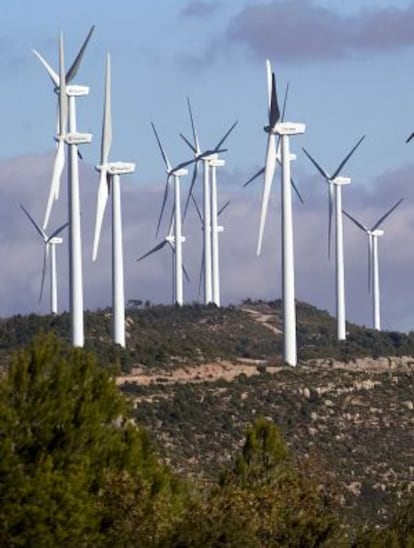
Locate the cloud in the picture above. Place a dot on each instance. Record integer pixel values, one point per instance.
(26, 180)
(200, 8)
(300, 30)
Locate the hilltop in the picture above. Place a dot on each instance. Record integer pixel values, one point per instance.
(198, 375)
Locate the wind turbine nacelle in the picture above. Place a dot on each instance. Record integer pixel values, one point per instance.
(220, 229)
(180, 172)
(211, 157)
(377, 232)
(78, 138)
(121, 168)
(289, 128)
(215, 162)
(341, 181)
(74, 90)
(56, 240)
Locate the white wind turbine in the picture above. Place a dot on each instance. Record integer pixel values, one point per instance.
(175, 173)
(207, 157)
(335, 183)
(170, 241)
(59, 161)
(109, 180)
(73, 138)
(373, 234)
(50, 243)
(277, 152)
(284, 130)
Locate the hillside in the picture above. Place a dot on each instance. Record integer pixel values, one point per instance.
(199, 375)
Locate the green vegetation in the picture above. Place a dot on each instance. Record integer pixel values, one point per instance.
(67, 449)
(75, 468)
(168, 335)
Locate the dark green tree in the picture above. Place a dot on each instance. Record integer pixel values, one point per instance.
(65, 440)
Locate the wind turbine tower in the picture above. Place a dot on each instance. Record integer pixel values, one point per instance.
(109, 180)
(215, 230)
(373, 234)
(335, 183)
(284, 130)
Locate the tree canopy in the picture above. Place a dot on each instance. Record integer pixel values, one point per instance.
(66, 438)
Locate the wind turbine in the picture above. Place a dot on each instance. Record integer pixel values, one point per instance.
(170, 241)
(373, 234)
(59, 161)
(73, 138)
(109, 180)
(207, 156)
(276, 149)
(50, 243)
(176, 172)
(284, 130)
(335, 183)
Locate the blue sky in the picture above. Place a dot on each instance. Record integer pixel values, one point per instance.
(350, 69)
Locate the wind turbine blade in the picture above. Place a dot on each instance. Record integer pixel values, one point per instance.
(164, 201)
(102, 198)
(37, 227)
(52, 74)
(219, 144)
(295, 188)
(358, 224)
(254, 177)
(153, 250)
(369, 262)
(107, 118)
(315, 163)
(268, 179)
(187, 277)
(382, 219)
(63, 100)
(292, 182)
(58, 166)
(188, 143)
(186, 163)
(274, 114)
(285, 102)
(197, 208)
(190, 190)
(42, 283)
(347, 157)
(409, 138)
(164, 156)
(70, 75)
(57, 231)
(201, 275)
(330, 211)
(172, 218)
(269, 86)
(195, 136)
(223, 208)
